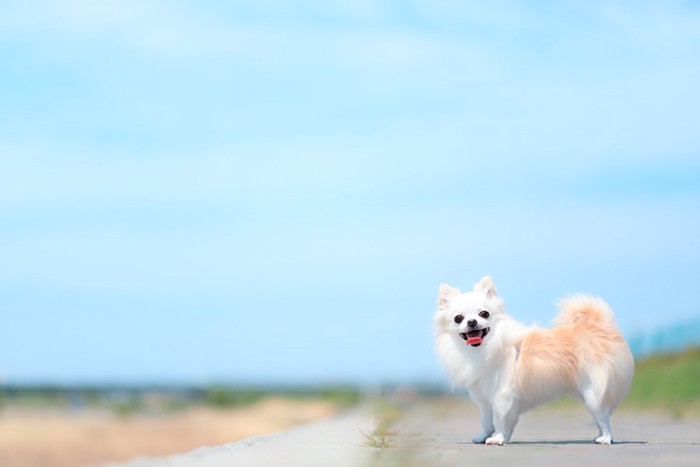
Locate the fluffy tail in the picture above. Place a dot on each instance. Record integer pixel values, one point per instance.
(584, 309)
(606, 365)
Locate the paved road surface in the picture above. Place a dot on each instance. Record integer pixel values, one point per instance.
(437, 434)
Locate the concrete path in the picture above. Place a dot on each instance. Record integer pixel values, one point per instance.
(440, 435)
(437, 433)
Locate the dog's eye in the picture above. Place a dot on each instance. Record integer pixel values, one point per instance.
(459, 319)
(484, 314)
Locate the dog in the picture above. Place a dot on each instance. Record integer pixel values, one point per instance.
(508, 367)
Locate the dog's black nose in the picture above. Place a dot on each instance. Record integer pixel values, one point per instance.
(471, 323)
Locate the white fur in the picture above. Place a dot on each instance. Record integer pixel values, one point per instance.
(517, 367)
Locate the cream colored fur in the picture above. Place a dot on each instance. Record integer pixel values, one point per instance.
(517, 367)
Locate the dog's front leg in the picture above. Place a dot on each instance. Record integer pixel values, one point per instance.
(487, 428)
(505, 415)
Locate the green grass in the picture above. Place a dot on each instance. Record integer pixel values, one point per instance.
(667, 381)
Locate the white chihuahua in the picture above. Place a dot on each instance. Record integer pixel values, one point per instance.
(509, 368)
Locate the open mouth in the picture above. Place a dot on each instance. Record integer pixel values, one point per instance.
(475, 337)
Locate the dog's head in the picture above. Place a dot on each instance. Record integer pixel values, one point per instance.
(469, 315)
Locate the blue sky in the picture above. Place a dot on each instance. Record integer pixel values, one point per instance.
(272, 191)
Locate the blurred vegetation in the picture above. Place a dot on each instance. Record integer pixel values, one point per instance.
(126, 401)
(224, 396)
(670, 381)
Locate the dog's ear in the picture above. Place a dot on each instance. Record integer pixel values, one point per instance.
(485, 286)
(445, 293)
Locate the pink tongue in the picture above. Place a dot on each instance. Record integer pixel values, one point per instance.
(474, 340)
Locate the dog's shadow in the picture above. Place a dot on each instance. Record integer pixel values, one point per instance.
(571, 441)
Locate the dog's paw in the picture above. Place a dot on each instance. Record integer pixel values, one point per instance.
(480, 439)
(603, 440)
(496, 440)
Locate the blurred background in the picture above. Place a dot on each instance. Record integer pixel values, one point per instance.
(200, 197)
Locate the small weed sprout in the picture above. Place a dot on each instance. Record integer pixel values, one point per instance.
(378, 436)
